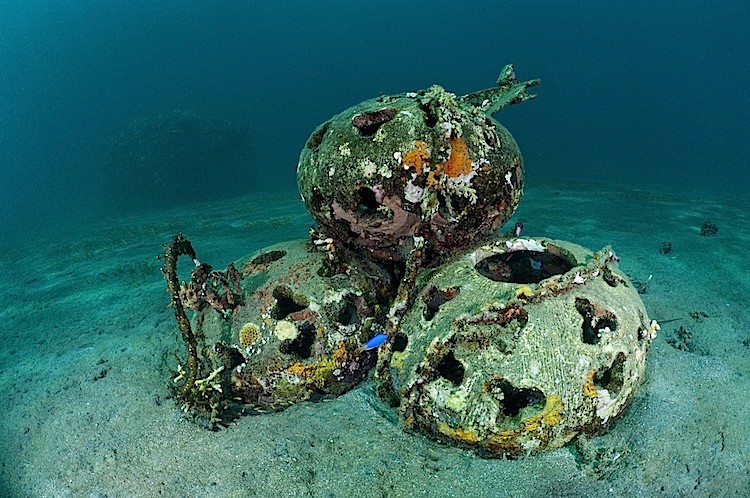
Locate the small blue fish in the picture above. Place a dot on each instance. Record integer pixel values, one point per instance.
(376, 341)
(536, 265)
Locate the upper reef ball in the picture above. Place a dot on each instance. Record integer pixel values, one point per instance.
(424, 163)
(516, 347)
(298, 333)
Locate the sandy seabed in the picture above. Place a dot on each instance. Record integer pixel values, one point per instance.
(88, 347)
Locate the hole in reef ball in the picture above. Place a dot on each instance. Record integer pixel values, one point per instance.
(522, 267)
(348, 314)
(368, 122)
(287, 302)
(400, 341)
(515, 399)
(612, 379)
(317, 137)
(596, 320)
(451, 369)
(434, 298)
(302, 344)
(367, 203)
(268, 257)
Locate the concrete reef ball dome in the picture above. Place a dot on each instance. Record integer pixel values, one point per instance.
(424, 163)
(518, 346)
(298, 332)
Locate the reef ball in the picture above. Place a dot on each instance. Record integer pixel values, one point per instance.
(298, 333)
(426, 163)
(517, 346)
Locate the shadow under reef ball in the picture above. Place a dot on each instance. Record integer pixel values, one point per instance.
(503, 344)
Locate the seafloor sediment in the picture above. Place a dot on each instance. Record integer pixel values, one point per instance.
(88, 345)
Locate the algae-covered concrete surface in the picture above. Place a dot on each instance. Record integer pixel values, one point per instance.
(88, 348)
(513, 370)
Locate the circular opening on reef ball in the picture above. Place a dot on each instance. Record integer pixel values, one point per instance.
(522, 267)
